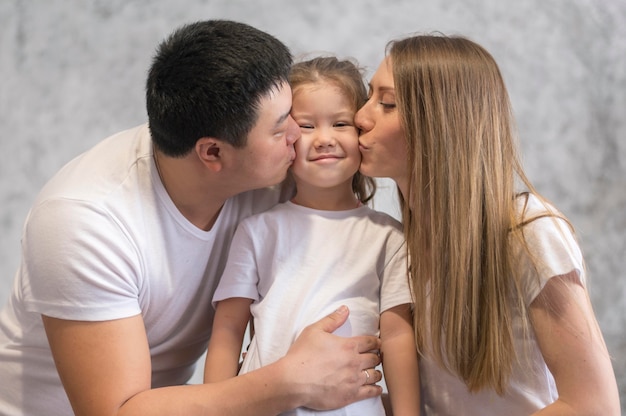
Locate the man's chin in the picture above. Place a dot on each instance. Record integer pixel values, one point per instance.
(280, 180)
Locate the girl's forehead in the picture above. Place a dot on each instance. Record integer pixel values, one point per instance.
(326, 85)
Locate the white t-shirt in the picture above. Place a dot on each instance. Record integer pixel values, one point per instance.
(104, 241)
(299, 264)
(531, 386)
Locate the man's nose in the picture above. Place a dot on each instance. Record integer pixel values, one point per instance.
(293, 131)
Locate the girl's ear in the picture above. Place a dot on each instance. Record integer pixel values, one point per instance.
(208, 150)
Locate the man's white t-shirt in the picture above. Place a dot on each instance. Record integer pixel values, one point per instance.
(104, 241)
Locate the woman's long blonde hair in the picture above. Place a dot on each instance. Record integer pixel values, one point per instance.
(460, 209)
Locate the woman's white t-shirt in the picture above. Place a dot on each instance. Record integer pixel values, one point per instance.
(531, 386)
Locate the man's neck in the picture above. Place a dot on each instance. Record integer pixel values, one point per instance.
(189, 186)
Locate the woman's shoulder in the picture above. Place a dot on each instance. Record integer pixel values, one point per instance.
(530, 205)
(551, 247)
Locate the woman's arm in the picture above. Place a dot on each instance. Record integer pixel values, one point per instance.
(229, 327)
(105, 369)
(399, 356)
(574, 350)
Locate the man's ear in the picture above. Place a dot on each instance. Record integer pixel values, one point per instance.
(209, 151)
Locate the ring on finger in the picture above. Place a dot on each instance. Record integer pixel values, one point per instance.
(367, 376)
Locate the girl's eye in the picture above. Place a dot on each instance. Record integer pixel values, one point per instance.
(387, 106)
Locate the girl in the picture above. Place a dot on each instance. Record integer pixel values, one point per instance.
(322, 249)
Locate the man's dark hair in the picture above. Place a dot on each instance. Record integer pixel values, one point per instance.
(207, 80)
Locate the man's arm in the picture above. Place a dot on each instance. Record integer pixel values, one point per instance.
(105, 369)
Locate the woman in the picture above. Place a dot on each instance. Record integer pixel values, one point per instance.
(502, 316)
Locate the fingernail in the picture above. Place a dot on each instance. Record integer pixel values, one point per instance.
(342, 309)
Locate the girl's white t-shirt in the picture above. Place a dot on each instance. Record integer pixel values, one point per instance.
(299, 264)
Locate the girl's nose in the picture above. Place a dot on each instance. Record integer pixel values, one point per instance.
(324, 138)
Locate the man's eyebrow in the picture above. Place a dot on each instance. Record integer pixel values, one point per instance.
(282, 118)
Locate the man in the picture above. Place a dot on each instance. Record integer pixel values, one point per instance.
(123, 248)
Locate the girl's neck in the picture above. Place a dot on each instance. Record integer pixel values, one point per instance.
(326, 199)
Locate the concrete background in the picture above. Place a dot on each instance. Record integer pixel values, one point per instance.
(73, 72)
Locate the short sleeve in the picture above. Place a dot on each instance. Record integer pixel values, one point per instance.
(79, 264)
(395, 282)
(553, 251)
(240, 277)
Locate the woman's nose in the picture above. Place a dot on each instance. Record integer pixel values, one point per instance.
(361, 121)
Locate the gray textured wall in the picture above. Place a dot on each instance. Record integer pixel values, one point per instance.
(73, 72)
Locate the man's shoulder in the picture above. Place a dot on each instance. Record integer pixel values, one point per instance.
(99, 170)
(260, 199)
(252, 203)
